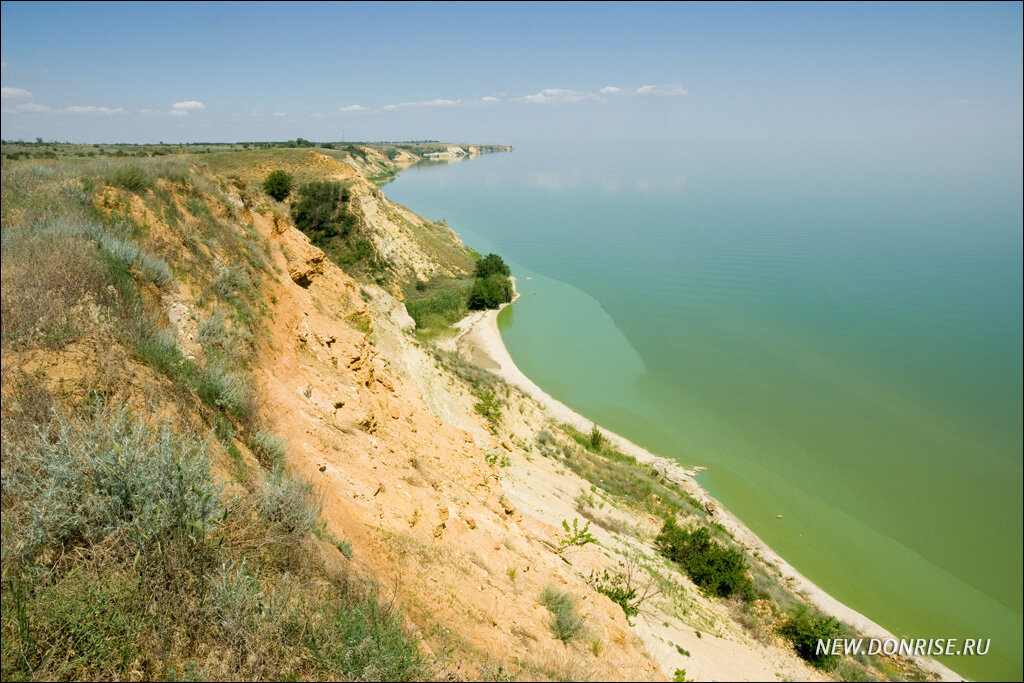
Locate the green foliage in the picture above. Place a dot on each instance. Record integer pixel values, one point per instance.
(565, 622)
(489, 265)
(289, 502)
(131, 178)
(575, 536)
(495, 459)
(490, 292)
(715, 568)
(365, 642)
(804, 630)
(597, 439)
(488, 405)
(680, 676)
(278, 184)
(437, 311)
(269, 448)
(622, 477)
(321, 211)
(618, 589)
(84, 481)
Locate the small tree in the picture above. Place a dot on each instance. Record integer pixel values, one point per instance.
(575, 536)
(489, 265)
(278, 184)
(490, 292)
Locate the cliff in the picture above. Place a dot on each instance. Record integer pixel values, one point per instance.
(228, 455)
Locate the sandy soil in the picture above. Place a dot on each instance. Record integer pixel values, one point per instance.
(480, 340)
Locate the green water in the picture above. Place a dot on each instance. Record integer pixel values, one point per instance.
(838, 342)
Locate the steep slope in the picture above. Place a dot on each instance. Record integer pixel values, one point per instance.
(372, 506)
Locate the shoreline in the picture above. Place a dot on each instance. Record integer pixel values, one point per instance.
(480, 340)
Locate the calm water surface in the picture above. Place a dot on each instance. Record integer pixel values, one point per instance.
(838, 342)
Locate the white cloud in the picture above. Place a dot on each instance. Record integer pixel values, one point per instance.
(317, 115)
(32, 107)
(439, 102)
(188, 105)
(15, 94)
(177, 112)
(105, 111)
(610, 90)
(280, 113)
(26, 108)
(352, 107)
(558, 96)
(489, 99)
(662, 90)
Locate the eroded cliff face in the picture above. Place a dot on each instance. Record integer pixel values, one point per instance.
(460, 514)
(426, 514)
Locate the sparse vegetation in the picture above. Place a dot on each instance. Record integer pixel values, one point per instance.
(565, 621)
(575, 536)
(626, 587)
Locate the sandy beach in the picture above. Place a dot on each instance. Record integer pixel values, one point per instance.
(479, 339)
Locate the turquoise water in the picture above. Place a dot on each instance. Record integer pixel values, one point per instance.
(838, 342)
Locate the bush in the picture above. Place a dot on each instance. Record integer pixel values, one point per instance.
(565, 622)
(131, 178)
(804, 630)
(82, 482)
(321, 211)
(289, 502)
(440, 310)
(713, 567)
(365, 641)
(489, 265)
(489, 406)
(490, 292)
(270, 449)
(278, 184)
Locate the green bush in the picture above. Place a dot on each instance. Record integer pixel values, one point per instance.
(80, 482)
(713, 567)
(278, 184)
(270, 449)
(321, 211)
(565, 622)
(804, 630)
(489, 265)
(440, 310)
(131, 178)
(488, 405)
(490, 292)
(290, 502)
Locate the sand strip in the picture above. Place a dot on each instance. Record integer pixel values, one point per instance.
(480, 340)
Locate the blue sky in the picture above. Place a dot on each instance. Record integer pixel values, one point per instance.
(773, 73)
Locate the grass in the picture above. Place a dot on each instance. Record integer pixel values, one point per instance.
(123, 554)
(565, 621)
(437, 304)
(636, 484)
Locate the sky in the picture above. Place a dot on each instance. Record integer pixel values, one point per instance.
(914, 74)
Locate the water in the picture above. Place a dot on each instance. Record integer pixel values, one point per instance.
(838, 341)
